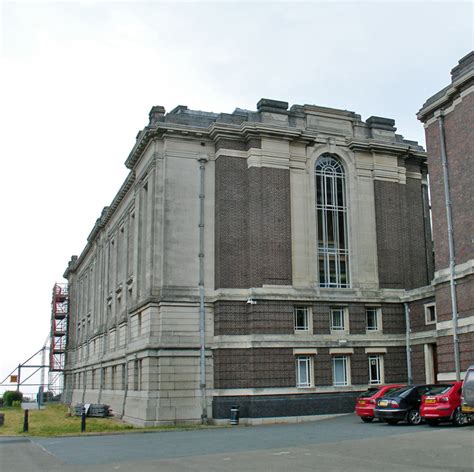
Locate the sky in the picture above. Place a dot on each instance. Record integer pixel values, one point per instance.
(77, 80)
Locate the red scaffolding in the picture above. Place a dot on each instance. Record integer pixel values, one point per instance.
(59, 312)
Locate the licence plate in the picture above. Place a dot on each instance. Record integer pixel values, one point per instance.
(430, 400)
(383, 403)
(361, 402)
(467, 409)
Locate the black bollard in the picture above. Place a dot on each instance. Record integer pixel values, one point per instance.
(234, 415)
(83, 420)
(25, 422)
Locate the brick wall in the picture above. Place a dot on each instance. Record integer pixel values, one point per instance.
(253, 225)
(250, 368)
(269, 227)
(464, 295)
(417, 316)
(459, 134)
(395, 363)
(231, 202)
(418, 363)
(322, 367)
(240, 318)
(393, 318)
(357, 319)
(359, 366)
(321, 323)
(401, 244)
(276, 317)
(445, 352)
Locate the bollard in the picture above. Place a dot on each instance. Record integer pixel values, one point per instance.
(83, 419)
(234, 415)
(2, 418)
(25, 422)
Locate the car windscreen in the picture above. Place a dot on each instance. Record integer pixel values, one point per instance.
(369, 392)
(439, 389)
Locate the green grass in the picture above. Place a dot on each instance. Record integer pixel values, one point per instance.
(55, 421)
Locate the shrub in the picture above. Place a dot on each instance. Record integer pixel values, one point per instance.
(10, 396)
(16, 403)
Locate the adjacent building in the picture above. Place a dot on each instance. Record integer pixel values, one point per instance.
(448, 117)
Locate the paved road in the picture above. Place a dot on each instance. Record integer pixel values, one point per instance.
(338, 444)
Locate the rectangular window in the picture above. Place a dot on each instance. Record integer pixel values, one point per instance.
(337, 319)
(430, 313)
(139, 324)
(301, 318)
(371, 319)
(137, 374)
(375, 370)
(339, 370)
(123, 383)
(113, 377)
(303, 371)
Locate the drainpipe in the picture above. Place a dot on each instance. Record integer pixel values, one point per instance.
(407, 332)
(202, 312)
(452, 260)
(125, 393)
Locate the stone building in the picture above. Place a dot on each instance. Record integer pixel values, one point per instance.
(311, 229)
(448, 117)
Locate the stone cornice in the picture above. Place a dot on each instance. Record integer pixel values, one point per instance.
(372, 145)
(446, 96)
(102, 221)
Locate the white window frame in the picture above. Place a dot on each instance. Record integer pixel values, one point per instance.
(427, 307)
(308, 328)
(308, 361)
(344, 318)
(347, 369)
(378, 319)
(379, 359)
(332, 251)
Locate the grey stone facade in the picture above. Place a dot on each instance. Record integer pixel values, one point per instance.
(133, 338)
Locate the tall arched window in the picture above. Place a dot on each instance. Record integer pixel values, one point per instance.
(331, 209)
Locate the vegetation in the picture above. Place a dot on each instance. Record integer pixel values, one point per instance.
(54, 420)
(10, 396)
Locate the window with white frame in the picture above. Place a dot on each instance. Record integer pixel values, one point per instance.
(371, 319)
(337, 319)
(301, 316)
(340, 370)
(375, 369)
(430, 313)
(331, 210)
(303, 371)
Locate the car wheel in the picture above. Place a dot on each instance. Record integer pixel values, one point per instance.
(432, 422)
(392, 421)
(458, 417)
(414, 417)
(366, 419)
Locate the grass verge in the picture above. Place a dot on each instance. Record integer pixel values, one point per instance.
(54, 421)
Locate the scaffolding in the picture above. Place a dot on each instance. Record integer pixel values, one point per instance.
(57, 351)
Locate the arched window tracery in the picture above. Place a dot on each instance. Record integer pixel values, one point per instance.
(331, 212)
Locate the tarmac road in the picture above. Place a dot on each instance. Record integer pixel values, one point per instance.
(342, 443)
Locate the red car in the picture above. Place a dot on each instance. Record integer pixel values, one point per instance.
(443, 403)
(366, 401)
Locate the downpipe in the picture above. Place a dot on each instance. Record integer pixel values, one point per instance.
(452, 259)
(202, 311)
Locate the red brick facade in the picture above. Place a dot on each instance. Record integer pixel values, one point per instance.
(452, 110)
